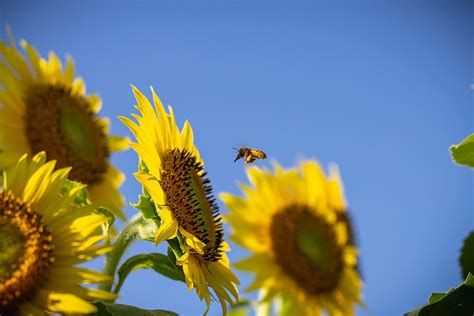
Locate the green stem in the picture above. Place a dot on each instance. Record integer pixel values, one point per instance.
(128, 235)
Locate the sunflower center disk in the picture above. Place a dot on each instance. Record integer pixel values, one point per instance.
(189, 196)
(12, 244)
(305, 246)
(26, 251)
(61, 124)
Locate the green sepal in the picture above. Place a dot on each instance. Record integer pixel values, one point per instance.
(466, 260)
(171, 254)
(463, 153)
(238, 312)
(147, 208)
(142, 167)
(82, 197)
(457, 301)
(107, 213)
(156, 261)
(109, 309)
(175, 247)
(108, 228)
(241, 308)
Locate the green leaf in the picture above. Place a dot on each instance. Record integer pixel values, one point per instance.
(146, 207)
(458, 301)
(156, 261)
(466, 260)
(463, 153)
(109, 309)
(435, 297)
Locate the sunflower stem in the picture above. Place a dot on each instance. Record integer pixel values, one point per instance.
(128, 235)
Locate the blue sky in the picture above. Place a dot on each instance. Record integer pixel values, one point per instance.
(381, 88)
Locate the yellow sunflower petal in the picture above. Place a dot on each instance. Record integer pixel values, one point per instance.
(335, 188)
(34, 59)
(118, 143)
(153, 187)
(192, 241)
(187, 136)
(64, 302)
(16, 61)
(168, 228)
(69, 71)
(95, 102)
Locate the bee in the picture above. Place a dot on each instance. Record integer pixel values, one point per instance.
(250, 154)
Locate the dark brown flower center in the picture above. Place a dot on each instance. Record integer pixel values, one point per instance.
(61, 124)
(306, 248)
(189, 196)
(26, 252)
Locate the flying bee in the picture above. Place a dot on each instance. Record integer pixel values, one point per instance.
(250, 154)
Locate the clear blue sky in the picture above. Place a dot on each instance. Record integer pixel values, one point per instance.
(380, 88)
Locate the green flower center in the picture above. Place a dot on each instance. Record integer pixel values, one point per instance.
(27, 251)
(189, 196)
(306, 248)
(61, 124)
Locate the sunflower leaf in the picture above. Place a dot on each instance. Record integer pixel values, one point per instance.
(457, 301)
(463, 153)
(466, 259)
(156, 261)
(109, 309)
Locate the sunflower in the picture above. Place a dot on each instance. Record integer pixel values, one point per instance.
(182, 193)
(296, 226)
(43, 236)
(43, 107)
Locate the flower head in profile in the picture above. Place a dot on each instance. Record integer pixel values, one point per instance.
(177, 183)
(44, 235)
(295, 224)
(44, 107)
